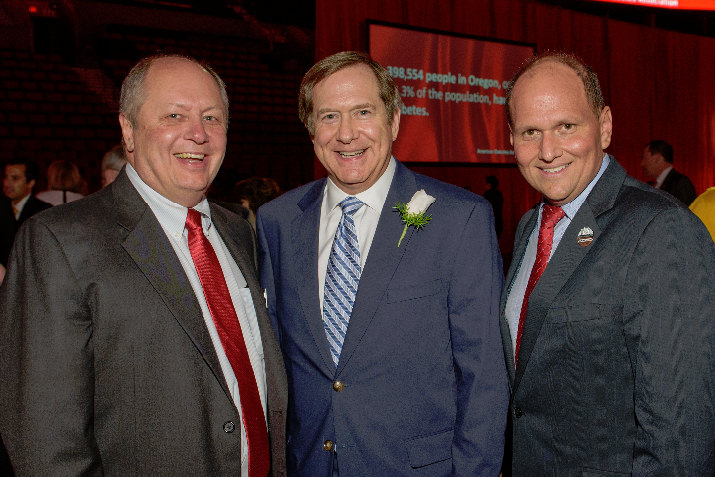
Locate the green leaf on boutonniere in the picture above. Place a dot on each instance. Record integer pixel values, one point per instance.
(413, 213)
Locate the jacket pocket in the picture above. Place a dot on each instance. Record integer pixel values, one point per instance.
(600, 473)
(426, 450)
(592, 311)
(413, 291)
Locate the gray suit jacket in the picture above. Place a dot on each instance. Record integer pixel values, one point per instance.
(105, 361)
(616, 367)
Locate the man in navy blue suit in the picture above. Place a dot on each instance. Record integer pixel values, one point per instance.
(393, 357)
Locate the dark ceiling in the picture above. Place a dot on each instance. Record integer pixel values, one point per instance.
(302, 12)
(685, 21)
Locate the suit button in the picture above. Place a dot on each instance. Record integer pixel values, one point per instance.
(518, 412)
(328, 445)
(228, 427)
(338, 386)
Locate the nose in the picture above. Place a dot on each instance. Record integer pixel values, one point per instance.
(196, 131)
(346, 131)
(550, 148)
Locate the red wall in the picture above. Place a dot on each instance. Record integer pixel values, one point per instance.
(658, 83)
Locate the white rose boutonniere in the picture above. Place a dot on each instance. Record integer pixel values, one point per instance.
(413, 213)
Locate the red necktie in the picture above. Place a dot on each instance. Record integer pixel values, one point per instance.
(229, 330)
(550, 216)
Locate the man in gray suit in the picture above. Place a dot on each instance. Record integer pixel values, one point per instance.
(117, 354)
(607, 316)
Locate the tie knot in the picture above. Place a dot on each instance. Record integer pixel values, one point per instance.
(350, 205)
(550, 215)
(193, 220)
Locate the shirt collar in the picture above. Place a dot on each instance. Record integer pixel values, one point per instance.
(21, 204)
(572, 207)
(171, 216)
(661, 177)
(374, 197)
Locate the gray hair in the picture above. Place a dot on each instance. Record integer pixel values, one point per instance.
(114, 159)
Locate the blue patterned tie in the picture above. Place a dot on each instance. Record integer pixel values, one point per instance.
(341, 278)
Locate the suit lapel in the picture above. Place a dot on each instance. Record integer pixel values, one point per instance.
(147, 244)
(519, 249)
(233, 236)
(563, 263)
(305, 229)
(32, 206)
(381, 263)
(566, 259)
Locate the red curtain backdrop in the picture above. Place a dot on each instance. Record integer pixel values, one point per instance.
(659, 84)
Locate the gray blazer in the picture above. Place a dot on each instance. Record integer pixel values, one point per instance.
(615, 373)
(105, 361)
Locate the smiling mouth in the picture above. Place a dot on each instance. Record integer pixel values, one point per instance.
(190, 156)
(556, 169)
(348, 155)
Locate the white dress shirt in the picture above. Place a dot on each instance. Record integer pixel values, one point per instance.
(172, 218)
(661, 177)
(515, 299)
(20, 205)
(365, 220)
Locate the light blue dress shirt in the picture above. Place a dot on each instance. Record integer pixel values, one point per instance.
(516, 292)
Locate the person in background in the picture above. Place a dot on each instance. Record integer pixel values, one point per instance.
(133, 329)
(657, 164)
(18, 204)
(390, 333)
(253, 192)
(112, 163)
(64, 183)
(608, 305)
(495, 197)
(704, 207)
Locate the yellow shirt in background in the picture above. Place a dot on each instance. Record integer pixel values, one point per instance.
(704, 207)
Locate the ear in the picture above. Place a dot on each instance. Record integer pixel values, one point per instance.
(606, 122)
(127, 132)
(396, 124)
(511, 137)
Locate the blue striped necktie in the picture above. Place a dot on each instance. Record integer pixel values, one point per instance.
(341, 278)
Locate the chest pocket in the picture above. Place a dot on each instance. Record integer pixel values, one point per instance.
(413, 291)
(587, 312)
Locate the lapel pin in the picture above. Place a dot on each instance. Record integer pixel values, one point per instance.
(585, 237)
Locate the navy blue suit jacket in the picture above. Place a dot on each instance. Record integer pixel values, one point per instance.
(424, 388)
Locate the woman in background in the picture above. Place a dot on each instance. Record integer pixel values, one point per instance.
(64, 183)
